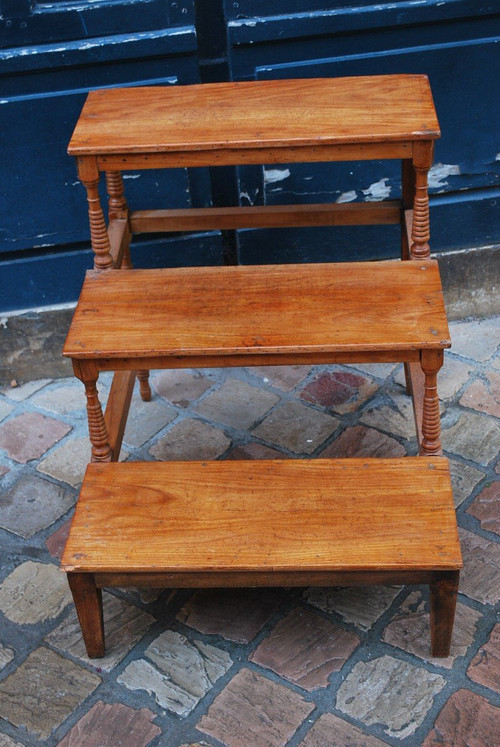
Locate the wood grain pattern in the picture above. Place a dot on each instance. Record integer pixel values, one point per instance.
(265, 216)
(278, 309)
(350, 514)
(256, 114)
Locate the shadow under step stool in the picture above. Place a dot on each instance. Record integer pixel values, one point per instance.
(265, 523)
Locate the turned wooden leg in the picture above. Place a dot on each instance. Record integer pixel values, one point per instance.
(444, 587)
(420, 233)
(431, 361)
(144, 388)
(101, 449)
(89, 176)
(88, 602)
(407, 199)
(118, 208)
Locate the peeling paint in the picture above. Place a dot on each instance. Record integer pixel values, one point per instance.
(497, 158)
(347, 196)
(275, 175)
(439, 172)
(131, 176)
(377, 191)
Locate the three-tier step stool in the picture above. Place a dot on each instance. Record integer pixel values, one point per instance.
(281, 522)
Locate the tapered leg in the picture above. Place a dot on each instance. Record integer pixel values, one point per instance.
(88, 603)
(444, 587)
(431, 361)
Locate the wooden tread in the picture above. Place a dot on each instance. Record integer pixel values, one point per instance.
(265, 516)
(250, 115)
(271, 310)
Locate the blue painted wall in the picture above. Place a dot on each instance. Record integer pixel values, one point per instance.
(53, 53)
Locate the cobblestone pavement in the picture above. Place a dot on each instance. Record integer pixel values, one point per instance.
(267, 667)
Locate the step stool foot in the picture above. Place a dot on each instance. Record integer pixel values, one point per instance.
(144, 387)
(444, 587)
(88, 602)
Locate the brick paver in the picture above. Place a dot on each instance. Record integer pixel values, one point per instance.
(312, 667)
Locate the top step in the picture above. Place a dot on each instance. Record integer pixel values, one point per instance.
(256, 114)
(250, 312)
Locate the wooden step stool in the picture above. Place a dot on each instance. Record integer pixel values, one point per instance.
(266, 523)
(365, 521)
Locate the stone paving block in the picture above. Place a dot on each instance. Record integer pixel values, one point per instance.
(474, 437)
(410, 630)
(20, 393)
(396, 418)
(6, 741)
(255, 451)
(234, 614)
(467, 719)
(282, 377)
(481, 571)
(34, 592)
(296, 427)
(359, 441)
(181, 387)
(185, 671)
(305, 649)
(191, 440)
(452, 376)
(464, 479)
(341, 391)
(29, 435)
(33, 504)
(485, 666)
(125, 626)
(115, 724)
(332, 731)
(361, 606)
(253, 710)
(52, 688)
(380, 370)
(477, 339)
(5, 409)
(486, 507)
(237, 404)
(56, 542)
(69, 462)
(145, 419)
(6, 656)
(389, 692)
(64, 399)
(484, 394)
(3, 470)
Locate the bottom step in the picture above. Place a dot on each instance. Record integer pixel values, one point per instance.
(264, 523)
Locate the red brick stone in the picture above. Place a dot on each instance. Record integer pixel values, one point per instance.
(254, 451)
(486, 508)
(484, 395)
(485, 666)
(252, 710)
(56, 542)
(360, 441)
(331, 731)
(342, 391)
(466, 719)
(30, 435)
(234, 614)
(115, 724)
(3, 470)
(305, 648)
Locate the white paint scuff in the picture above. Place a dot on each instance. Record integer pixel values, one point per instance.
(275, 175)
(439, 172)
(377, 191)
(347, 196)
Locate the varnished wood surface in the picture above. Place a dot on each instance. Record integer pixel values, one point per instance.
(259, 310)
(266, 216)
(256, 114)
(348, 514)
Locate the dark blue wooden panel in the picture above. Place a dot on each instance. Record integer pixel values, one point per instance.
(455, 43)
